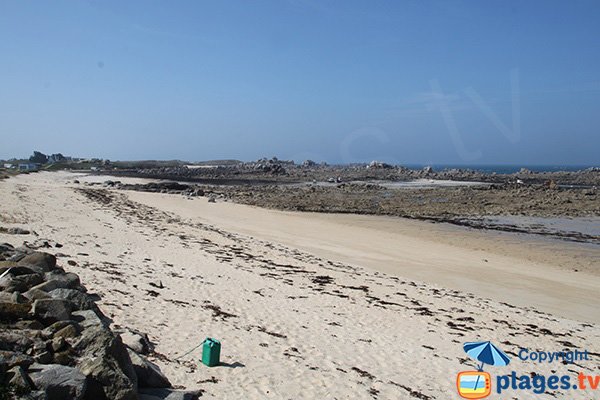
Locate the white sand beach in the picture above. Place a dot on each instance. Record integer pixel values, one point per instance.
(312, 306)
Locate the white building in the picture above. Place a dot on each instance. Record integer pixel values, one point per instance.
(29, 167)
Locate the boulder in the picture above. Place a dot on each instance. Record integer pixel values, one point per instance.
(67, 332)
(12, 359)
(21, 270)
(51, 330)
(6, 247)
(28, 324)
(59, 381)
(39, 259)
(21, 283)
(17, 231)
(148, 374)
(88, 319)
(6, 297)
(36, 395)
(51, 285)
(19, 298)
(19, 380)
(137, 341)
(80, 301)
(58, 344)
(4, 265)
(104, 359)
(64, 357)
(59, 281)
(10, 311)
(51, 310)
(44, 357)
(70, 279)
(16, 257)
(35, 294)
(12, 340)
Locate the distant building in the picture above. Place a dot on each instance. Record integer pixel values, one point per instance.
(29, 167)
(8, 166)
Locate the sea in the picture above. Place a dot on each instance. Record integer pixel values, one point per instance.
(503, 169)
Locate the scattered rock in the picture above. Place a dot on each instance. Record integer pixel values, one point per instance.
(53, 284)
(21, 283)
(44, 357)
(55, 327)
(59, 381)
(148, 374)
(69, 331)
(35, 294)
(69, 279)
(12, 359)
(52, 310)
(137, 341)
(15, 341)
(18, 231)
(39, 259)
(25, 324)
(13, 311)
(88, 318)
(64, 357)
(80, 300)
(104, 359)
(19, 379)
(57, 343)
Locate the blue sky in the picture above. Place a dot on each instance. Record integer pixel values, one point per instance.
(461, 82)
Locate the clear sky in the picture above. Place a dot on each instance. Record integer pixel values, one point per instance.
(463, 82)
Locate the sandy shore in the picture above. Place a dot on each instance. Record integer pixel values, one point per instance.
(310, 305)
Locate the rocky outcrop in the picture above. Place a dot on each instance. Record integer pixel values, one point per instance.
(159, 187)
(273, 171)
(55, 343)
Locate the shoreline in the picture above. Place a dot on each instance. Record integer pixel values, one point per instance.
(418, 250)
(295, 320)
(415, 200)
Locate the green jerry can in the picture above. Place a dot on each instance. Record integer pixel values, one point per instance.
(211, 352)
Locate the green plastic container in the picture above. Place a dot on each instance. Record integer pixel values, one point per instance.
(211, 352)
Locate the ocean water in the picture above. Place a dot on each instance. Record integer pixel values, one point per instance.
(584, 225)
(504, 169)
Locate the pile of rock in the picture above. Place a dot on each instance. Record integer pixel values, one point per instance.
(379, 165)
(56, 344)
(272, 166)
(159, 187)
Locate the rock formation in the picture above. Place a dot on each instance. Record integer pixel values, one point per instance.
(55, 343)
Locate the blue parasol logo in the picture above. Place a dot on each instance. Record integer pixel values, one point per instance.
(486, 353)
(477, 384)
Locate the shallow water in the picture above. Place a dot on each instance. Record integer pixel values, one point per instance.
(583, 225)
